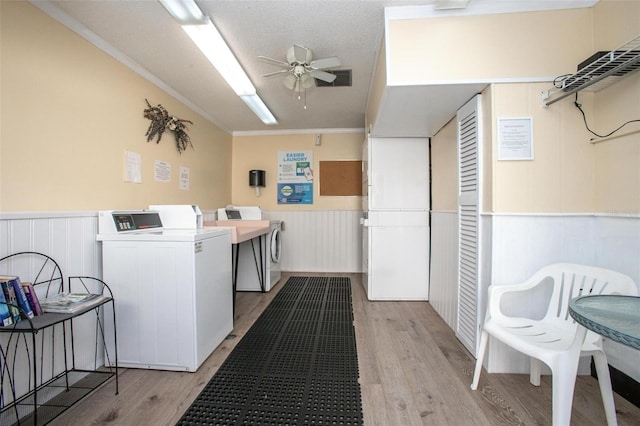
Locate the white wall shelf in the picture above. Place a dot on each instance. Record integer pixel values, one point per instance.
(604, 69)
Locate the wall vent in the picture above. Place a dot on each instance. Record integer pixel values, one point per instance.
(343, 79)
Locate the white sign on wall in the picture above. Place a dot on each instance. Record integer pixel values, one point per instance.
(184, 178)
(515, 138)
(162, 171)
(133, 167)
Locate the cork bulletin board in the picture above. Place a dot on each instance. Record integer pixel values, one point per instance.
(342, 178)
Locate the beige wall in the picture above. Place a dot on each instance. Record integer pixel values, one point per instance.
(69, 112)
(444, 160)
(378, 86)
(444, 169)
(487, 47)
(261, 152)
(487, 120)
(561, 175)
(617, 159)
(568, 173)
(626, 16)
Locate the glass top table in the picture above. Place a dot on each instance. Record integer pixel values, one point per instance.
(612, 316)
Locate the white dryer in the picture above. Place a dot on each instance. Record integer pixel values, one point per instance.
(250, 252)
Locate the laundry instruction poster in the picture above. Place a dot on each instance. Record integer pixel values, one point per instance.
(295, 177)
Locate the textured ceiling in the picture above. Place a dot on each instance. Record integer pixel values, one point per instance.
(143, 35)
(351, 30)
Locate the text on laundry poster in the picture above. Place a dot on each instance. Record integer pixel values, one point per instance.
(295, 177)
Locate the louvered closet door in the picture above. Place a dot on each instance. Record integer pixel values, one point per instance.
(468, 328)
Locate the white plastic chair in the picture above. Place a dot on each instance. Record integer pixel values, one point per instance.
(556, 339)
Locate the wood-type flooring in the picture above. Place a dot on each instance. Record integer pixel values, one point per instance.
(413, 371)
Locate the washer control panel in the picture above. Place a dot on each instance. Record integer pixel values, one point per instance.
(115, 222)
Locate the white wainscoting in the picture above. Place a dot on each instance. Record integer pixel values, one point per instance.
(320, 240)
(514, 246)
(524, 243)
(70, 239)
(330, 241)
(443, 286)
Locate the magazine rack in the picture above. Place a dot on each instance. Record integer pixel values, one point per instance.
(42, 372)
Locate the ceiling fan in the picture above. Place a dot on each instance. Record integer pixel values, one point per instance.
(301, 69)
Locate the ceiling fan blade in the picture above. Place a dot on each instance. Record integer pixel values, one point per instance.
(322, 75)
(302, 53)
(290, 81)
(271, 74)
(274, 61)
(306, 80)
(299, 54)
(331, 62)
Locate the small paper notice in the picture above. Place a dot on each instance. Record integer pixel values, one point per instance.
(133, 167)
(184, 178)
(162, 171)
(515, 139)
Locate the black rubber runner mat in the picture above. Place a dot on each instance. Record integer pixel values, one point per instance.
(297, 365)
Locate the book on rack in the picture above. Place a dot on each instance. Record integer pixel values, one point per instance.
(69, 303)
(32, 297)
(10, 297)
(5, 315)
(21, 298)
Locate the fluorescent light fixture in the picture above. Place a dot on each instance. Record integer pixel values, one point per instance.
(259, 108)
(211, 43)
(186, 12)
(209, 40)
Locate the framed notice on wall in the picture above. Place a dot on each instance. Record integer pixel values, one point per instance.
(515, 138)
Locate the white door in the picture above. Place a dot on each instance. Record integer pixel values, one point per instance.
(399, 263)
(398, 174)
(469, 133)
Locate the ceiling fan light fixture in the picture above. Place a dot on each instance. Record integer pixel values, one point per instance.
(307, 81)
(302, 71)
(290, 81)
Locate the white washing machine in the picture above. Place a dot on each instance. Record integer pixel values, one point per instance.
(270, 248)
(172, 289)
(274, 252)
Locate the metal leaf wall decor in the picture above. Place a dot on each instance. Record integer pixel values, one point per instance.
(161, 121)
